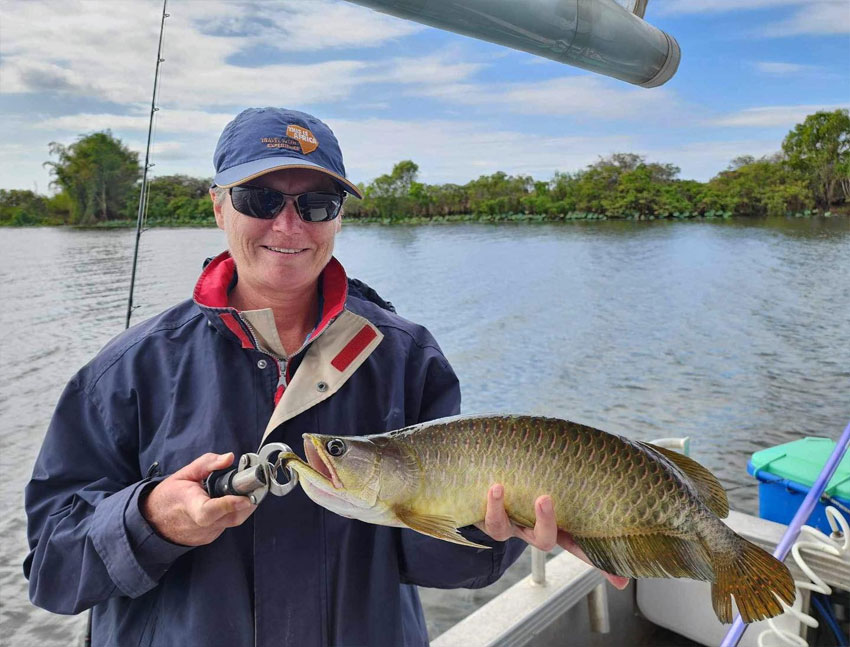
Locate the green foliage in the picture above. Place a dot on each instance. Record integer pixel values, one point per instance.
(498, 193)
(390, 195)
(843, 171)
(22, 208)
(98, 177)
(174, 200)
(622, 185)
(59, 208)
(98, 173)
(819, 149)
(766, 187)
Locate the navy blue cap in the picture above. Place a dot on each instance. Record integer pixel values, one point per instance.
(262, 140)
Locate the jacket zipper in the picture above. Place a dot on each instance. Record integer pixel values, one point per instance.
(281, 363)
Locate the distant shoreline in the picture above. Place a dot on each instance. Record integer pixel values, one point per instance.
(843, 211)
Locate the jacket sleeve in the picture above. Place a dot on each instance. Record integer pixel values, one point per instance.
(431, 562)
(88, 540)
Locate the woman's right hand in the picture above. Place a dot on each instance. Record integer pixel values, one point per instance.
(180, 510)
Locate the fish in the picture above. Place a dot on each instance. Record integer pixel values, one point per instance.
(637, 510)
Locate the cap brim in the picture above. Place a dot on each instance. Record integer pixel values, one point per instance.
(250, 170)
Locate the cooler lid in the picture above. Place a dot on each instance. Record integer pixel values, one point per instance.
(801, 461)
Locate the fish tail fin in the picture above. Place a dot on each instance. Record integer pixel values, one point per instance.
(755, 578)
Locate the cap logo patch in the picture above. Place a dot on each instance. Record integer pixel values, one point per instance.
(304, 137)
(297, 138)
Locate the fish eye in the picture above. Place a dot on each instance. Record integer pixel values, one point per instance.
(336, 447)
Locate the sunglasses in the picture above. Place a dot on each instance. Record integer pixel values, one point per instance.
(265, 203)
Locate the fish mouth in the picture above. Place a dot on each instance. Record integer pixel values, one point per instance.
(318, 459)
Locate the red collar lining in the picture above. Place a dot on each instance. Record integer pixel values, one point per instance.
(211, 289)
(335, 291)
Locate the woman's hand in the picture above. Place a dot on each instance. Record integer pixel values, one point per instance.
(545, 535)
(181, 511)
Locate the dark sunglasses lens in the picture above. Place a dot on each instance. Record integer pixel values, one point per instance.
(258, 202)
(319, 207)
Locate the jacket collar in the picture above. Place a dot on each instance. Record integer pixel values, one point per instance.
(220, 275)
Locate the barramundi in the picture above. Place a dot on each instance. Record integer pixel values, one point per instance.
(636, 510)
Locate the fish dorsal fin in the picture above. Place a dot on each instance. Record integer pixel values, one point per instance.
(437, 526)
(708, 487)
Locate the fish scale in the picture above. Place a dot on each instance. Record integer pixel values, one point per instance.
(636, 510)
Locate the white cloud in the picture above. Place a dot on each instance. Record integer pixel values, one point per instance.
(772, 116)
(824, 17)
(108, 54)
(585, 96)
(298, 26)
(22, 166)
(429, 70)
(702, 160)
(457, 151)
(717, 6)
(777, 68)
(162, 150)
(810, 17)
(167, 122)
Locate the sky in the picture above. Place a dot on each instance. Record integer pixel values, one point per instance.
(392, 89)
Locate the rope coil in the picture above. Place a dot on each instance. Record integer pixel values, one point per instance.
(837, 545)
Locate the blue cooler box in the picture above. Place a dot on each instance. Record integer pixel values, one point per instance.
(787, 472)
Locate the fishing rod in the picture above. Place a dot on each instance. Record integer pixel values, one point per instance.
(143, 205)
(143, 193)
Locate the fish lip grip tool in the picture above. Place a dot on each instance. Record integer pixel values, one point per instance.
(254, 476)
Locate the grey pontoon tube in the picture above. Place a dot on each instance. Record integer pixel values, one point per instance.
(637, 7)
(598, 35)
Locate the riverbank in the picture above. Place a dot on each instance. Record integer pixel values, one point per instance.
(575, 216)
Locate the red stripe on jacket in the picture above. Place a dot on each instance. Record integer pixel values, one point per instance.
(353, 348)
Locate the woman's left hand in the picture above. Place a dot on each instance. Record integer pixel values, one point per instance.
(545, 535)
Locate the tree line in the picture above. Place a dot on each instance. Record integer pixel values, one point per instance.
(98, 183)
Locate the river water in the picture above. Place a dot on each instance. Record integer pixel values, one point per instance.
(735, 333)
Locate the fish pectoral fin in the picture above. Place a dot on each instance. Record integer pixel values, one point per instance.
(708, 488)
(437, 526)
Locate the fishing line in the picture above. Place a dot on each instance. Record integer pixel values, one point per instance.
(148, 184)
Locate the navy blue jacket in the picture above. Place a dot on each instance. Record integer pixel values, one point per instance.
(190, 381)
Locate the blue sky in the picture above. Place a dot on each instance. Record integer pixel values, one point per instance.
(393, 89)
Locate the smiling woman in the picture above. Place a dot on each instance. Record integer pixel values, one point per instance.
(280, 259)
